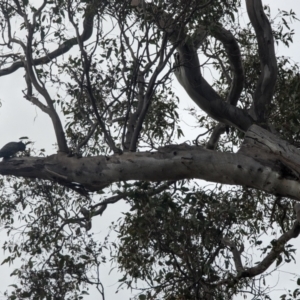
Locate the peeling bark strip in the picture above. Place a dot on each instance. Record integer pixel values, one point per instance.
(264, 162)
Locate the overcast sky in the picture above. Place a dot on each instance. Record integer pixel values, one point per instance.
(19, 118)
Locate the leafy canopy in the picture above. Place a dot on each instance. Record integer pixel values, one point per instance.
(108, 68)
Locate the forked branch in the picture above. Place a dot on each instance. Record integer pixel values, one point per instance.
(87, 32)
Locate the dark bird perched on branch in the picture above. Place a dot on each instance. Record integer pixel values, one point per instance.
(11, 149)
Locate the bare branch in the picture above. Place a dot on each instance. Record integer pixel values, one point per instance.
(124, 195)
(278, 247)
(64, 47)
(234, 56)
(215, 136)
(236, 82)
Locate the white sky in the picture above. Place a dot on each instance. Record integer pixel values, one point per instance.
(20, 118)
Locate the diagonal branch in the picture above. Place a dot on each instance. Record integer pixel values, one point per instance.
(236, 82)
(266, 83)
(278, 247)
(233, 53)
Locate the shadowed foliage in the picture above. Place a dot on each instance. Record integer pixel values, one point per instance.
(116, 78)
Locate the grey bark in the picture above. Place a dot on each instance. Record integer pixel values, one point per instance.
(265, 162)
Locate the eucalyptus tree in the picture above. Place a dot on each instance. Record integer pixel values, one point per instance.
(106, 74)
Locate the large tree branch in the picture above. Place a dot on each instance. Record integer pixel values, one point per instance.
(189, 76)
(266, 170)
(188, 69)
(264, 145)
(266, 83)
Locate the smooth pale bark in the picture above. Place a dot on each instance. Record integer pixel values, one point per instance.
(264, 162)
